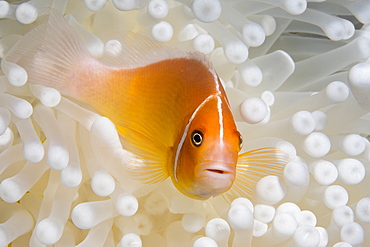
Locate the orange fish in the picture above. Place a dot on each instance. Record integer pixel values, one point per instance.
(169, 106)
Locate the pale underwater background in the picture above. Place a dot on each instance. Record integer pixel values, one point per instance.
(297, 76)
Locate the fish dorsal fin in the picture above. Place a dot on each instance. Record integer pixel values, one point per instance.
(126, 50)
(139, 138)
(254, 165)
(130, 50)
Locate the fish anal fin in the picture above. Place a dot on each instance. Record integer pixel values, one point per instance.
(152, 153)
(254, 165)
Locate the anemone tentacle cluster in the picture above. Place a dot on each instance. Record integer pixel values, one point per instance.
(297, 75)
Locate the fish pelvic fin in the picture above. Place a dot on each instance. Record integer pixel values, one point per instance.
(254, 165)
(140, 139)
(52, 53)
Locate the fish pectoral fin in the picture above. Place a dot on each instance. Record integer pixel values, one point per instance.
(152, 152)
(254, 165)
(146, 171)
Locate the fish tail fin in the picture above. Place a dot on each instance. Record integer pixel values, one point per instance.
(254, 165)
(51, 52)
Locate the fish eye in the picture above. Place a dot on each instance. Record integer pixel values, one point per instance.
(197, 138)
(240, 141)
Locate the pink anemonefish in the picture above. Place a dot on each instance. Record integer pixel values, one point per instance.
(168, 105)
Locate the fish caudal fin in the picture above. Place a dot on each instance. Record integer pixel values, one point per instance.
(51, 52)
(252, 166)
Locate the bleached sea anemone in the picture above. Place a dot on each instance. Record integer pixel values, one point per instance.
(297, 76)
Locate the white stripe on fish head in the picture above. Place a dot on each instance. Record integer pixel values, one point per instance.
(220, 119)
(186, 129)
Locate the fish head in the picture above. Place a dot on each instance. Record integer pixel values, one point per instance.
(205, 165)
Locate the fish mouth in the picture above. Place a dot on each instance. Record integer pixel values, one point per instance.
(213, 178)
(219, 169)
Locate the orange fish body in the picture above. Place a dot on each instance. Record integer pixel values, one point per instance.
(169, 107)
(172, 104)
